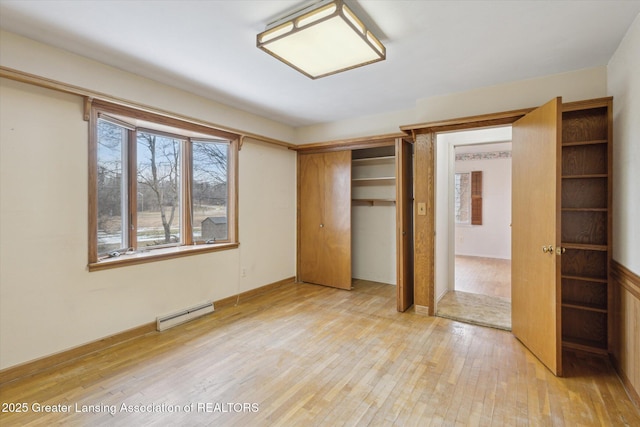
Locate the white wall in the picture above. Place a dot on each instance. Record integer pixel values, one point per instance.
(624, 85)
(379, 124)
(42, 60)
(492, 239)
(573, 86)
(267, 216)
(444, 239)
(373, 243)
(49, 302)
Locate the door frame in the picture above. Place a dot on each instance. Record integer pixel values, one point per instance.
(405, 293)
(424, 136)
(448, 214)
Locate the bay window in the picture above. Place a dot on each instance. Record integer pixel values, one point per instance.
(160, 187)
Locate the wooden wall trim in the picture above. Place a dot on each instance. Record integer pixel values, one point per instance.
(44, 82)
(48, 362)
(626, 278)
(421, 310)
(38, 365)
(492, 119)
(587, 103)
(625, 358)
(628, 385)
(243, 296)
(350, 144)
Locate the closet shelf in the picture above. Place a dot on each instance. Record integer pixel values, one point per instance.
(592, 142)
(374, 181)
(587, 279)
(584, 345)
(584, 209)
(374, 160)
(585, 247)
(373, 202)
(595, 175)
(584, 306)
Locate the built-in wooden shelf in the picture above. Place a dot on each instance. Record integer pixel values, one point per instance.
(584, 306)
(595, 175)
(592, 142)
(585, 247)
(584, 209)
(583, 345)
(586, 279)
(586, 227)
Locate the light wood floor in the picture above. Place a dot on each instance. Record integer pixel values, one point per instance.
(482, 294)
(485, 276)
(309, 355)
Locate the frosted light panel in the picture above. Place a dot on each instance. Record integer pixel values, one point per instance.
(335, 46)
(323, 42)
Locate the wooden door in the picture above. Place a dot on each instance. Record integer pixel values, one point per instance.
(324, 209)
(404, 224)
(535, 275)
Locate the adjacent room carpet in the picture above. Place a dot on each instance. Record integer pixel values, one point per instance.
(491, 311)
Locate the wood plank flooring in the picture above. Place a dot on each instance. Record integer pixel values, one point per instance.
(477, 309)
(307, 355)
(485, 276)
(482, 294)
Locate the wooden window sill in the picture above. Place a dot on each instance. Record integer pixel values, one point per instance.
(158, 255)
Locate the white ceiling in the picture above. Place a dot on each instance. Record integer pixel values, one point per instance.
(433, 48)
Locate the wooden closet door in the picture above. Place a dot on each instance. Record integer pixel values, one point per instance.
(404, 224)
(535, 268)
(324, 203)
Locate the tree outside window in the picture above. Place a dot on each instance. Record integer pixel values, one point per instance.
(157, 185)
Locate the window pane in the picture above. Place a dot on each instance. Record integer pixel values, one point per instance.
(112, 194)
(209, 191)
(158, 195)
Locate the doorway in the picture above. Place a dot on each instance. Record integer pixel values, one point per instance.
(473, 216)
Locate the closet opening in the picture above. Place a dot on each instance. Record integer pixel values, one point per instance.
(355, 217)
(373, 216)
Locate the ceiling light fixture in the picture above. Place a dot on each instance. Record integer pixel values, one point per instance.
(322, 39)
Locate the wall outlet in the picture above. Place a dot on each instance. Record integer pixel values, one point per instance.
(243, 272)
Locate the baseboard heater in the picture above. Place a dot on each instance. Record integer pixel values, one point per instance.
(171, 320)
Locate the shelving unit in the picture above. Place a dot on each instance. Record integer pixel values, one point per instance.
(586, 226)
(341, 240)
(373, 202)
(373, 180)
(373, 214)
